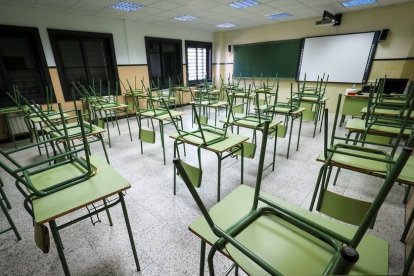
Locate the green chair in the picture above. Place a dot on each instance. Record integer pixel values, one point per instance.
(365, 158)
(269, 218)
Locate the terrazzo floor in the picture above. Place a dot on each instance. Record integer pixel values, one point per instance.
(160, 220)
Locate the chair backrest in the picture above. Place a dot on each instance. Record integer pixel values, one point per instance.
(219, 134)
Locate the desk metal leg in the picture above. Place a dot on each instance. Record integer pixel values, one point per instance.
(219, 175)
(174, 168)
(242, 162)
(300, 129)
(128, 225)
(202, 257)
(129, 127)
(162, 140)
(274, 151)
(290, 136)
(59, 246)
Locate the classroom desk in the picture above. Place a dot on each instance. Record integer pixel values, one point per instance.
(11, 112)
(232, 144)
(250, 124)
(109, 109)
(163, 118)
(295, 252)
(180, 90)
(105, 183)
(298, 113)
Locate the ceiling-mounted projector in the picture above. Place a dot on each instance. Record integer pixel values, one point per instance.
(328, 19)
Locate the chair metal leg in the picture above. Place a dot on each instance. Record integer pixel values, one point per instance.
(407, 226)
(219, 175)
(59, 247)
(202, 257)
(103, 147)
(406, 194)
(107, 212)
(128, 225)
(318, 183)
(3, 195)
(9, 219)
(408, 262)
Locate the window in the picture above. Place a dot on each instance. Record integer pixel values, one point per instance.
(164, 58)
(198, 55)
(87, 58)
(22, 64)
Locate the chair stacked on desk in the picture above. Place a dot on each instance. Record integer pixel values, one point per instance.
(212, 139)
(158, 110)
(103, 108)
(66, 180)
(275, 237)
(313, 99)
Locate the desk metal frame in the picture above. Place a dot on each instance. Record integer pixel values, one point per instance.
(232, 144)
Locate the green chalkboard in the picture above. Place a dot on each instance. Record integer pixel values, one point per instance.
(267, 59)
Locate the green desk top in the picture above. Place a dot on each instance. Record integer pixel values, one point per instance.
(292, 252)
(358, 125)
(285, 110)
(53, 117)
(214, 104)
(251, 124)
(231, 141)
(104, 183)
(164, 114)
(110, 106)
(12, 109)
(360, 164)
(74, 131)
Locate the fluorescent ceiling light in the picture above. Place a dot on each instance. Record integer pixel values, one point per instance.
(277, 16)
(185, 17)
(225, 25)
(126, 6)
(242, 4)
(354, 3)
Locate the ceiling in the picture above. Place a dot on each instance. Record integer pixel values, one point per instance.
(209, 12)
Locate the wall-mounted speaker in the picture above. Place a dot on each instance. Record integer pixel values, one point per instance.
(229, 48)
(383, 35)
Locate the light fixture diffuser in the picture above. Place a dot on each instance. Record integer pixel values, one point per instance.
(127, 6)
(225, 25)
(277, 16)
(242, 4)
(185, 18)
(355, 3)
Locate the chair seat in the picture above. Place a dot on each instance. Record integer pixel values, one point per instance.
(290, 250)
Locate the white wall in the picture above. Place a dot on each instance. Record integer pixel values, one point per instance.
(128, 35)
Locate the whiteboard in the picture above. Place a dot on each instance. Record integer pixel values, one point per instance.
(346, 58)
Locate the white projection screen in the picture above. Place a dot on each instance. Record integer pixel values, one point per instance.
(346, 58)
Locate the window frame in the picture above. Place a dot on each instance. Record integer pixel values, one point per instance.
(209, 55)
(160, 40)
(55, 35)
(32, 34)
